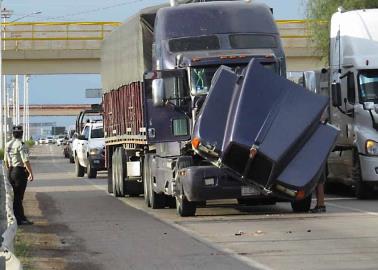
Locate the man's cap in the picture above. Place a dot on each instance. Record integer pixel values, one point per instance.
(17, 128)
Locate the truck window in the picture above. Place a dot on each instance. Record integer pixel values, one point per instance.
(201, 76)
(174, 89)
(368, 85)
(97, 133)
(194, 44)
(351, 88)
(251, 41)
(86, 132)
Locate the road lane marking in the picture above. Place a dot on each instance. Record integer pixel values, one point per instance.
(354, 209)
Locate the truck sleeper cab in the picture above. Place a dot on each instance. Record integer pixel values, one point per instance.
(200, 55)
(149, 120)
(353, 78)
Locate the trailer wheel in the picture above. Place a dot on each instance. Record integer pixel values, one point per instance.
(91, 172)
(110, 180)
(302, 205)
(114, 172)
(117, 191)
(146, 177)
(121, 172)
(79, 170)
(184, 208)
(362, 191)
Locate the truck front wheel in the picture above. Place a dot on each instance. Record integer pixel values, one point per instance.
(302, 205)
(79, 170)
(91, 172)
(184, 207)
(362, 189)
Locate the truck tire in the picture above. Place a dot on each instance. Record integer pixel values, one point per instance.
(115, 174)
(72, 159)
(184, 208)
(79, 170)
(302, 206)
(91, 172)
(157, 201)
(146, 177)
(120, 172)
(362, 190)
(110, 180)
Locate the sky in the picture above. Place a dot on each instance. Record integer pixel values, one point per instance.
(70, 89)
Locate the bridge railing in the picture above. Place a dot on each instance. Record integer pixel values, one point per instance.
(55, 35)
(21, 36)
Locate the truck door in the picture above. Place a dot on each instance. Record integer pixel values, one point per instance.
(169, 120)
(82, 146)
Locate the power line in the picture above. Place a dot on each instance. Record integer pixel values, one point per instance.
(94, 10)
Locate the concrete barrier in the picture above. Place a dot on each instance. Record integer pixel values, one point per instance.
(8, 224)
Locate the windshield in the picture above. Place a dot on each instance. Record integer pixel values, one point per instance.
(201, 76)
(252, 41)
(194, 44)
(97, 133)
(368, 85)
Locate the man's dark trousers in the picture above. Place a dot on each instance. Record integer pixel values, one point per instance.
(18, 178)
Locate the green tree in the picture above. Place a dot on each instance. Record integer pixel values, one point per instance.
(319, 13)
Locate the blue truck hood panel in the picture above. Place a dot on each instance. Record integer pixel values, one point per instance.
(279, 118)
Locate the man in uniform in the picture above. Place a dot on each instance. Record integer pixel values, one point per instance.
(16, 160)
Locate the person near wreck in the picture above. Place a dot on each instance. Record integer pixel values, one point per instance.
(16, 160)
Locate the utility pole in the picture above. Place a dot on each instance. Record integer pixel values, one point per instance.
(26, 108)
(17, 101)
(5, 14)
(14, 101)
(24, 111)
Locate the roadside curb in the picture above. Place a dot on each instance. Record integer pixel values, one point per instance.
(8, 224)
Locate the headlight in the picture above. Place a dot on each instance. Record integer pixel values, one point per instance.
(371, 147)
(94, 151)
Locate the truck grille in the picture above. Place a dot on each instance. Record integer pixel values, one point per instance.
(236, 157)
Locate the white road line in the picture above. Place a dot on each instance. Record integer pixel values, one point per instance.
(354, 209)
(339, 199)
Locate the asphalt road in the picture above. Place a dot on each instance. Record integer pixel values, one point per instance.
(104, 232)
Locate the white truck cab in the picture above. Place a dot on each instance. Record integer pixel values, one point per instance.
(354, 98)
(89, 150)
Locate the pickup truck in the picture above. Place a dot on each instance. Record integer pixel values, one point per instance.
(88, 150)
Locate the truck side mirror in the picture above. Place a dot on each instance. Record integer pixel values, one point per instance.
(336, 94)
(351, 88)
(82, 137)
(369, 106)
(158, 92)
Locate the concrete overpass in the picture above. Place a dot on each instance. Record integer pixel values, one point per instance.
(55, 109)
(74, 47)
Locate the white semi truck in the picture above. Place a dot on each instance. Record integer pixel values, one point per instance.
(352, 82)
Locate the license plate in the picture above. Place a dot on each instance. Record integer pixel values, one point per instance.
(96, 161)
(248, 191)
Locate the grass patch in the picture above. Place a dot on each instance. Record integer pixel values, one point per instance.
(29, 143)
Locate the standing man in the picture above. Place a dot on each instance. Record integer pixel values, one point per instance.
(16, 160)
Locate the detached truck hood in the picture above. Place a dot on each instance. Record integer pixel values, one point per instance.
(266, 130)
